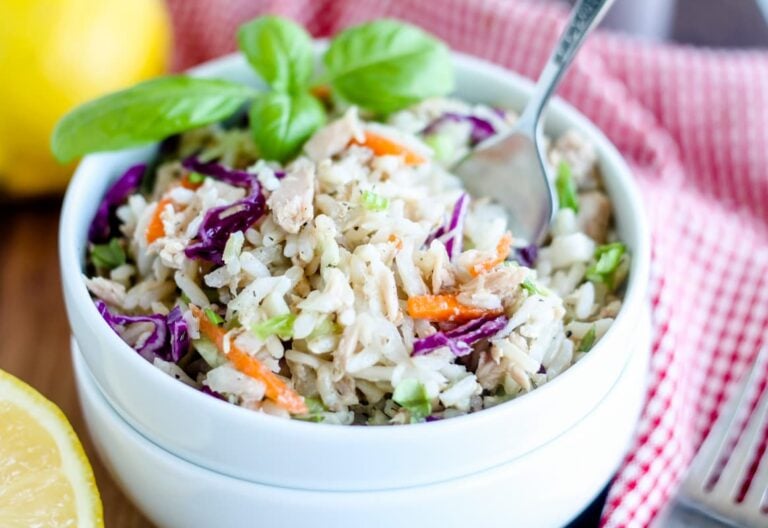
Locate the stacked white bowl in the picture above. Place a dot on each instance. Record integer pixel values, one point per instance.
(190, 460)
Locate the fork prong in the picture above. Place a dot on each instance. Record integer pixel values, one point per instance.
(757, 495)
(736, 468)
(706, 461)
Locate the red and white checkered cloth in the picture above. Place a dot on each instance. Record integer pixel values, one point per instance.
(693, 125)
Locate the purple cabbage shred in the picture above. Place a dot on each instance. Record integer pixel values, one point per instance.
(460, 339)
(179, 334)
(220, 222)
(103, 224)
(527, 255)
(482, 129)
(205, 389)
(168, 340)
(452, 235)
(235, 177)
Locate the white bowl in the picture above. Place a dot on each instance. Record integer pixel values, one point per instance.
(240, 443)
(547, 487)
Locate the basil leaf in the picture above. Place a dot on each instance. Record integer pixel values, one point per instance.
(147, 112)
(281, 123)
(280, 50)
(108, 256)
(386, 65)
(412, 395)
(566, 188)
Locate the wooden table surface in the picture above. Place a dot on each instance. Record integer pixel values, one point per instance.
(36, 333)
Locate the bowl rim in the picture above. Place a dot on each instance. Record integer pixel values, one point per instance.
(78, 195)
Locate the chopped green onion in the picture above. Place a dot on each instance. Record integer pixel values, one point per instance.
(282, 326)
(588, 341)
(441, 146)
(325, 328)
(412, 395)
(213, 316)
(196, 177)
(315, 410)
(209, 352)
(529, 286)
(109, 256)
(607, 260)
(374, 202)
(566, 188)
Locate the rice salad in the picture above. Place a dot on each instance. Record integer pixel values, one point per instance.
(358, 283)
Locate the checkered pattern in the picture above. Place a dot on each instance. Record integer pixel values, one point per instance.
(692, 123)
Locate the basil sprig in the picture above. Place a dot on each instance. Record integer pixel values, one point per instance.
(381, 66)
(385, 66)
(150, 111)
(280, 51)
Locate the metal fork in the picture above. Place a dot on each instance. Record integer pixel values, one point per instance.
(718, 484)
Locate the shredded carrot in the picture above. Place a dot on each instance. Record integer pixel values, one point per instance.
(382, 146)
(276, 389)
(503, 248)
(155, 227)
(445, 308)
(187, 184)
(321, 91)
(394, 239)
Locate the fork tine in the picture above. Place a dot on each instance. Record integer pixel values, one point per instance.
(737, 466)
(756, 498)
(707, 461)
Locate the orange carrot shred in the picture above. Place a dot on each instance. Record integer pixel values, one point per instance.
(503, 249)
(275, 388)
(382, 146)
(396, 240)
(445, 308)
(155, 227)
(321, 91)
(187, 184)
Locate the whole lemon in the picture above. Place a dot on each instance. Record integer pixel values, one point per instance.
(55, 54)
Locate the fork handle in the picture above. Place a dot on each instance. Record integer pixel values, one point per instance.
(585, 15)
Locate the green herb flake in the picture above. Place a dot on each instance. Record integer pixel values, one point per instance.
(607, 260)
(108, 256)
(315, 410)
(374, 202)
(566, 188)
(588, 341)
(325, 328)
(412, 395)
(196, 177)
(529, 286)
(281, 325)
(442, 146)
(213, 316)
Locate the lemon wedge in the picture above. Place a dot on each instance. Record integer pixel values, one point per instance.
(45, 477)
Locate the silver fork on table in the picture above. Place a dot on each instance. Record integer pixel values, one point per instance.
(727, 484)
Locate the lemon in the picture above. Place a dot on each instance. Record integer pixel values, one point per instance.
(45, 478)
(56, 54)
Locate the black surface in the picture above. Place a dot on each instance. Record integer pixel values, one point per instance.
(590, 517)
